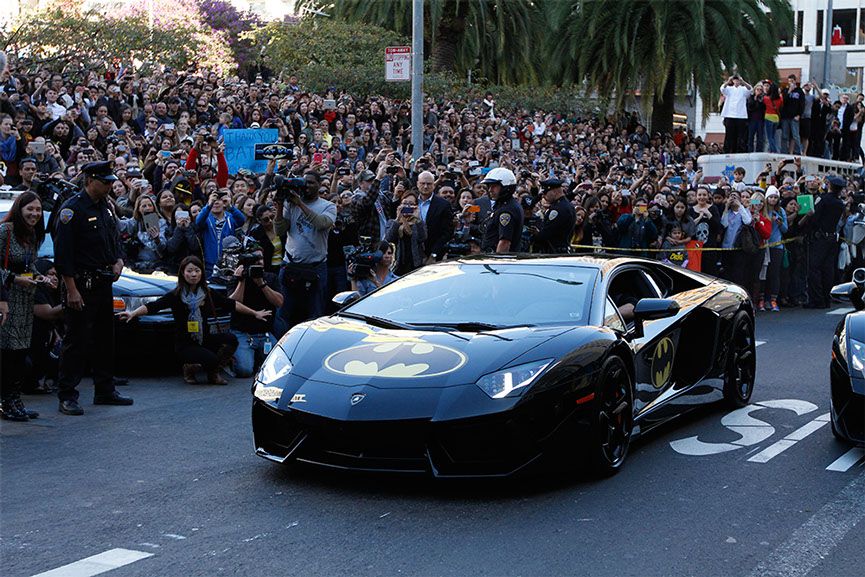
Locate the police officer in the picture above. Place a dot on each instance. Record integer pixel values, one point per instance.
(87, 257)
(557, 227)
(504, 225)
(822, 224)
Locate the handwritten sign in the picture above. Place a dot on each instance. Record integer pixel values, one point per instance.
(397, 63)
(240, 147)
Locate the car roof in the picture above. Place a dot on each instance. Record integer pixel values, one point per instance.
(604, 263)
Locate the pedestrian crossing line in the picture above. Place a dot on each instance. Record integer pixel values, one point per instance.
(97, 564)
(841, 311)
(843, 463)
(779, 447)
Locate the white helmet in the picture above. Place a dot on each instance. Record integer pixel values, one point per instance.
(501, 176)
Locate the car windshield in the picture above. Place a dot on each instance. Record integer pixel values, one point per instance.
(493, 294)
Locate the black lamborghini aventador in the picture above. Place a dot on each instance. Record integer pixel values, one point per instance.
(486, 365)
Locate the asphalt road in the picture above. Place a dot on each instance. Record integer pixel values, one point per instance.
(174, 477)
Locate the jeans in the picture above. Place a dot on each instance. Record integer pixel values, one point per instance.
(790, 129)
(301, 300)
(248, 347)
(756, 136)
(770, 135)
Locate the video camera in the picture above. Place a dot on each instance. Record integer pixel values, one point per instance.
(363, 256)
(235, 253)
(461, 243)
(54, 192)
(284, 186)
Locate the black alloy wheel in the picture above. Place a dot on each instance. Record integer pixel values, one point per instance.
(741, 362)
(614, 418)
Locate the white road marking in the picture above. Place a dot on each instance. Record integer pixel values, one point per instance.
(758, 343)
(816, 539)
(841, 311)
(751, 430)
(843, 463)
(174, 536)
(97, 564)
(779, 447)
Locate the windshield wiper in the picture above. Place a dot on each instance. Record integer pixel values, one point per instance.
(377, 321)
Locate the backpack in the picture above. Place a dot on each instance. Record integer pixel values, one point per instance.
(747, 239)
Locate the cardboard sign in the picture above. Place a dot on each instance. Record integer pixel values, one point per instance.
(240, 147)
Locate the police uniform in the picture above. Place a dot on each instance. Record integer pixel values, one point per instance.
(557, 227)
(86, 246)
(823, 244)
(505, 222)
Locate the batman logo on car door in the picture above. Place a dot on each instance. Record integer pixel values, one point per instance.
(662, 362)
(396, 360)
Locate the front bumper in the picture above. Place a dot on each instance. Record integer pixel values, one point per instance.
(848, 407)
(497, 445)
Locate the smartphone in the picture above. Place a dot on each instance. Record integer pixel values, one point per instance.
(151, 219)
(406, 210)
(473, 208)
(181, 215)
(754, 201)
(37, 147)
(165, 153)
(167, 126)
(317, 158)
(120, 132)
(329, 104)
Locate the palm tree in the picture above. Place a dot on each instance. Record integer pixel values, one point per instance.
(656, 46)
(495, 37)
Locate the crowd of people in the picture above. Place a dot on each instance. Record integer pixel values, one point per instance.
(346, 207)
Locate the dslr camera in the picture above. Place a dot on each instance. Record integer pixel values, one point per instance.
(235, 253)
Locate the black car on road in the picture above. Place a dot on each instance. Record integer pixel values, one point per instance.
(847, 368)
(484, 366)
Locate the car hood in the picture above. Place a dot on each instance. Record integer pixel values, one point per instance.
(349, 352)
(132, 283)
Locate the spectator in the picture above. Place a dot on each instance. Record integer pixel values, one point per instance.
(408, 234)
(217, 220)
(773, 101)
(195, 309)
(756, 114)
(258, 290)
(437, 216)
(791, 112)
(380, 275)
(145, 235)
(735, 113)
(773, 212)
(21, 235)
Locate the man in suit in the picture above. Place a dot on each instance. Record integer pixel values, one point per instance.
(845, 117)
(437, 215)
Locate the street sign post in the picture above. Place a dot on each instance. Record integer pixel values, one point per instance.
(397, 63)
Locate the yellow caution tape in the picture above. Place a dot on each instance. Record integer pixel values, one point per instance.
(695, 249)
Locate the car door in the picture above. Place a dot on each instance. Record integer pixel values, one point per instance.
(655, 345)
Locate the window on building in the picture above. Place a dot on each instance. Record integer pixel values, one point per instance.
(861, 34)
(820, 32)
(844, 27)
(793, 37)
(853, 79)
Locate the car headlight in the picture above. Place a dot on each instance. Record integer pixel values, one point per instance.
(855, 357)
(267, 384)
(131, 303)
(502, 383)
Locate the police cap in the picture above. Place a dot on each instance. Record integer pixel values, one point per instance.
(836, 182)
(551, 183)
(99, 170)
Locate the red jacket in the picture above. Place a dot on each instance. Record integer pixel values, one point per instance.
(763, 226)
(221, 166)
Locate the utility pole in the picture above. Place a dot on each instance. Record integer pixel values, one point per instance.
(417, 79)
(827, 44)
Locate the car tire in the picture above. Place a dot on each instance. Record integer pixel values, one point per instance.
(612, 419)
(741, 369)
(835, 432)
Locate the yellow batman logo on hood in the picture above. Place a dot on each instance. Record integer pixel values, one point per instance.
(396, 360)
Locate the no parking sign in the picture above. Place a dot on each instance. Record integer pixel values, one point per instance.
(397, 63)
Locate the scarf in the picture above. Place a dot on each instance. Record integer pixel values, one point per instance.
(193, 301)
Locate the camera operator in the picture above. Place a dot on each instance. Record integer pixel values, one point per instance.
(258, 290)
(308, 219)
(557, 224)
(380, 274)
(504, 226)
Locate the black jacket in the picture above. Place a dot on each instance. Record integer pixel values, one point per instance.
(439, 226)
(214, 305)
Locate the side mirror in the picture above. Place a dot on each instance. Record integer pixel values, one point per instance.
(345, 298)
(843, 291)
(653, 309)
